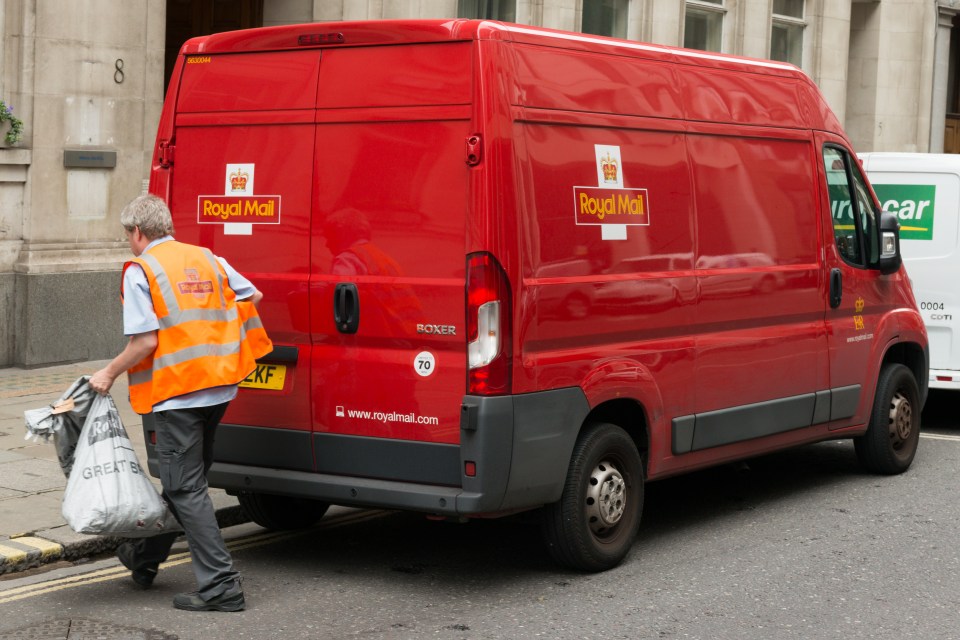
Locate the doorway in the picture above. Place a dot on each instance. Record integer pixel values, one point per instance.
(951, 132)
(190, 18)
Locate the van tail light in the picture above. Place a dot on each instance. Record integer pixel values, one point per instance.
(488, 327)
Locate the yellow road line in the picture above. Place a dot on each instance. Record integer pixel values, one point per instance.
(108, 573)
(113, 573)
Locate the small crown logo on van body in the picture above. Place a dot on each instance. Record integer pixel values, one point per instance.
(858, 305)
(238, 180)
(609, 168)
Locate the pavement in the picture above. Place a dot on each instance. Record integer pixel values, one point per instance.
(32, 529)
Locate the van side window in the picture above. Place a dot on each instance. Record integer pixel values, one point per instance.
(854, 218)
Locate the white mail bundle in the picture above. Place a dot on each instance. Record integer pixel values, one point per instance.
(108, 491)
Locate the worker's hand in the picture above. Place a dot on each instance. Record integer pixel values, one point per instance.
(101, 382)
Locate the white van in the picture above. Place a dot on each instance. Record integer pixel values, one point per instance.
(923, 189)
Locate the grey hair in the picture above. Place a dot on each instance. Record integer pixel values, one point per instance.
(151, 214)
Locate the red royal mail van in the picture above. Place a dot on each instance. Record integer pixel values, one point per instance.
(509, 268)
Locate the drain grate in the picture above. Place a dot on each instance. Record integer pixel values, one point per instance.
(68, 629)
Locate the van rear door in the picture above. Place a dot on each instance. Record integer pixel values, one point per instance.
(388, 260)
(242, 168)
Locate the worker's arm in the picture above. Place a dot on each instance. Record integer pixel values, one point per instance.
(140, 346)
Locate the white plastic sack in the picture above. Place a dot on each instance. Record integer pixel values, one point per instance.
(108, 491)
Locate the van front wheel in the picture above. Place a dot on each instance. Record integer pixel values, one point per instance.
(281, 512)
(890, 443)
(593, 525)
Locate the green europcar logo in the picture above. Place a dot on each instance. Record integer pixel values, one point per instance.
(914, 206)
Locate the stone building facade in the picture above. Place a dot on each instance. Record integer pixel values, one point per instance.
(87, 78)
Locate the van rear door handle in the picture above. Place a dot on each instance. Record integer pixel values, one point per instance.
(836, 288)
(346, 307)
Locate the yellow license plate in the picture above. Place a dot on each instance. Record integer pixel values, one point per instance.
(266, 376)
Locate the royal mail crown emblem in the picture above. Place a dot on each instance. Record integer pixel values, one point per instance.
(858, 305)
(608, 166)
(238, 180)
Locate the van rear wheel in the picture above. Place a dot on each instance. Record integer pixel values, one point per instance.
(593, 525)
(890, 443)
(281, 512)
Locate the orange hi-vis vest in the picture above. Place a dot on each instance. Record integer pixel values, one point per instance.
(207, 338)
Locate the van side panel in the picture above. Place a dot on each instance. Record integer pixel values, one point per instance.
(760, 318)
(584, 297)
(754, 99)
(580, 81)
(587, 298)
(725, 273)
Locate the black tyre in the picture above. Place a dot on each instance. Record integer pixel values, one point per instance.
(890, 443)
(593, 525)
(281, 512)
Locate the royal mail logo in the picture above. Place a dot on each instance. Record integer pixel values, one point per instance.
(193, 285)
(195, 288)
(858, 305)
(247, 209)
(240, 207)
(238, 180)
(598, 206)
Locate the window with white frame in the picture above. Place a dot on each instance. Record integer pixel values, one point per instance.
(605, 17)
(703, 25)
(786, 35)
(505, 10)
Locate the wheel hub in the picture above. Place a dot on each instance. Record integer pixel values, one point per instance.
(606, 497)
(901, 419)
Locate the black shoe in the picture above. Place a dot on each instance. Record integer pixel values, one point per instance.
(223, 602)
(143, 576)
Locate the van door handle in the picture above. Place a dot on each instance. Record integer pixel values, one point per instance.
(346, 307)
(836, 288)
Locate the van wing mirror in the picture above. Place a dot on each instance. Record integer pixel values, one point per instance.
(889, 243)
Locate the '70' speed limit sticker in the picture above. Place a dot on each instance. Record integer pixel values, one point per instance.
(424, 364)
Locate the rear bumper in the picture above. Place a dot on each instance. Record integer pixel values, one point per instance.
(345, 490)
(519, 445)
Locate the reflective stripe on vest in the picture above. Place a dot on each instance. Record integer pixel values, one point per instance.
(175, 315)
(204, 339)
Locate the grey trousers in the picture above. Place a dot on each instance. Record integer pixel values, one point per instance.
(185, 452)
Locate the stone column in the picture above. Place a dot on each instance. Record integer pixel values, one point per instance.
(530, 12)
(562, 14)
(946, 10)
(13, 177)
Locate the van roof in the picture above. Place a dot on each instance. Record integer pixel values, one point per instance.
(380, 32)
(809, 104)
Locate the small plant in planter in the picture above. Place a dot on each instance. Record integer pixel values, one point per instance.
(15, 132)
